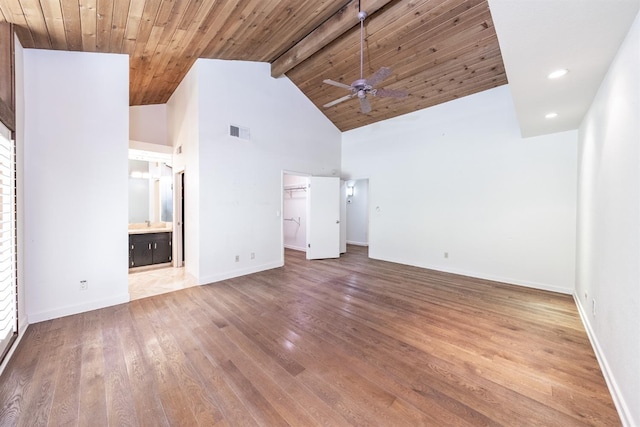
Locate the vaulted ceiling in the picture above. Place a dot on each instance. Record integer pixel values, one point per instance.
(439, 50)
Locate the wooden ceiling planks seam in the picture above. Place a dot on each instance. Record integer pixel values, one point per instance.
(459, 64)
(154, 61)
(199, 30)
(89, 25)
(35, 20)
(134, 22)
(438, 49)
(226, 34)
(118, 25)
(179, 60)
(52, 12)
(103, 14)
(296, 28)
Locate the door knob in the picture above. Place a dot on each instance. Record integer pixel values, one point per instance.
(337, 221)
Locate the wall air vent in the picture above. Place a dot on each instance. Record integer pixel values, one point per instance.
(239, 132)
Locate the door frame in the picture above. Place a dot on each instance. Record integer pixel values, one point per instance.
(178, 218)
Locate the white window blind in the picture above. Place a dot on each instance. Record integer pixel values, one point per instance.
(8, 297)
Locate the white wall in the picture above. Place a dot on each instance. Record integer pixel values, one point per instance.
(608, 250)
(240, 186)
(458, 178)
(358, 213)
(183, 129)
(75, 191)
(148, 123)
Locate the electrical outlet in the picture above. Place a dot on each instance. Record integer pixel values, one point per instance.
(446, 254)
(253, 255)
(593, 307)
(84, 285)
(237, 258)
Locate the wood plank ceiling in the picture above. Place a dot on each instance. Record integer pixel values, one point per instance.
(439, 50)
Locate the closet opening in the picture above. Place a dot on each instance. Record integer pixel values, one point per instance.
(294, 211)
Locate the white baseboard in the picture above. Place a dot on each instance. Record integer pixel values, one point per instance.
(621, 405)
(351, 242)
(507, 280)
(241, 272)
(79, 308)
(296, 248)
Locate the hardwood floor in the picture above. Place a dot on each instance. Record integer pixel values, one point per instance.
(337, 342)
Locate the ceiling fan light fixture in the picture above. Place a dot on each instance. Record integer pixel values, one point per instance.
(363, 87)
(561, 72)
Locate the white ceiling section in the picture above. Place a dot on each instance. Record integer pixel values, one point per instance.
(539, 36)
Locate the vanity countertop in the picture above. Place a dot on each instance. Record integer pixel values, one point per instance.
(150, 230)
(154, 227)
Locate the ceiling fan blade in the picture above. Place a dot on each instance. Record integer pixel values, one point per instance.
(337, 101)
(365, 105)
(390, 93)
(379, 76)
(335, 83)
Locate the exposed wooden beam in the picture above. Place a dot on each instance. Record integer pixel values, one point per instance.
(331, 29)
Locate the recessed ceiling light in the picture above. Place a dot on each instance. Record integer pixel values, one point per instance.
(558, 73)
(551, 116)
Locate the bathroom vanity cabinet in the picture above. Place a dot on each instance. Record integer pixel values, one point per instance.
(149, 249)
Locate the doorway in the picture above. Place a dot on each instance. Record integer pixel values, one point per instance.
(312, 221)
(156, 207)
(358, 212)
(294, 211)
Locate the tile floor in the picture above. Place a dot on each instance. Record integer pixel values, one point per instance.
(157, 281)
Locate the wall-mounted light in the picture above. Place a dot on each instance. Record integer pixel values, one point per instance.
(350, 190)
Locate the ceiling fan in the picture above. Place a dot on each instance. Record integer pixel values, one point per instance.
(363, 87)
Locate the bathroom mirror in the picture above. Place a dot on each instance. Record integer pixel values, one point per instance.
(150, 189)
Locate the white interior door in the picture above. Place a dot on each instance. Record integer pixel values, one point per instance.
(323, 218)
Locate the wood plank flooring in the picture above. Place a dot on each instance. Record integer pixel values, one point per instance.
(336, 342)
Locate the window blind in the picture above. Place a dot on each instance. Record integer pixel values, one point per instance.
(8, 276)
